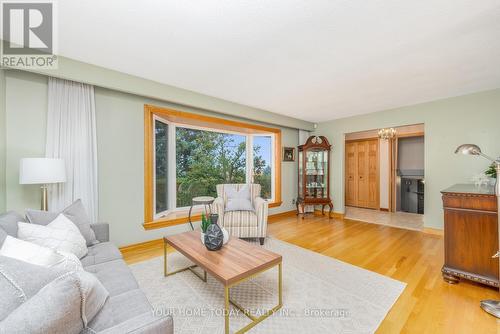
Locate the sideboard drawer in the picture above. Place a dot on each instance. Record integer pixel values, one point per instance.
(471, 202)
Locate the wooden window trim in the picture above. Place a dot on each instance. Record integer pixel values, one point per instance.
(187, 118)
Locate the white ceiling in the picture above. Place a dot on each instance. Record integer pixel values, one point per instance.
(315, 60)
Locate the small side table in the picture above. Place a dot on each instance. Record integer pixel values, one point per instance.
(201, 200)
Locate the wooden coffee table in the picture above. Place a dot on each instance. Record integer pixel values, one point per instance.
(235, 262)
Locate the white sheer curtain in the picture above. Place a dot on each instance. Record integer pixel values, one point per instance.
(71, 135)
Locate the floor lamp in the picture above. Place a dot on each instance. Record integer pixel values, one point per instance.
(490, 306)
(43, 171)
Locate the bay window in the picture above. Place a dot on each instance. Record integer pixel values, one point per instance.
(187, 155)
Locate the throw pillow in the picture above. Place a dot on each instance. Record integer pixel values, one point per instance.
(238, 200)
(8, 222)
(37, 255)
(29, 252)
(61, 234)
(54, 302)
(75, 212)
(34, 254)
(20, 280)
(68, 262)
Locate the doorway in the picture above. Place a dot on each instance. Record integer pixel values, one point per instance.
(384, 177)
(409, 174)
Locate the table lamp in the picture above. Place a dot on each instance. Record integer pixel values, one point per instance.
(42, 171)
(490, 306)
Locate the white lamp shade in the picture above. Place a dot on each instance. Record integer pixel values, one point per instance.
(41, 171)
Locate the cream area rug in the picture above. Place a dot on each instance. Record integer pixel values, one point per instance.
(320, 295)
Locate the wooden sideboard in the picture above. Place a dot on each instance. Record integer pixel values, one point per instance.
(470, 234)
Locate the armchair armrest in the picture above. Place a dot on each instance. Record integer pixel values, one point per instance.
(261, 209)
(101, 231)
(218, 208)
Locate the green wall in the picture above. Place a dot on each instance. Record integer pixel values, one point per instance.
(120, 140)
(71, 69)
(473, 118)
(25, 126)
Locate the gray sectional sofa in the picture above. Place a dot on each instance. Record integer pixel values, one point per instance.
(126, 310)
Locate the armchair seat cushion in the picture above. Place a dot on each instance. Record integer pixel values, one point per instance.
(240, 218)
(240, 223)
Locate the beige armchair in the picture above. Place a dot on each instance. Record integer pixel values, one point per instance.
(243, 224)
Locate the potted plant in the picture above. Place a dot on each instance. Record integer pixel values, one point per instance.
(205, 223)
(491, 171)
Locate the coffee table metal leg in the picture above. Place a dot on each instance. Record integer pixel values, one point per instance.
(226, 309)
(166, 273)
(280, 284)
(255, 320)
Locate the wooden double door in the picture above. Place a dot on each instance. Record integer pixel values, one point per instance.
(362, 173)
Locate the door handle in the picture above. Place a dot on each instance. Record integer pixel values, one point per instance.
(496, 255)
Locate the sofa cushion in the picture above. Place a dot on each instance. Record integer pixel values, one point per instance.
(8, 222)
(143, 323)
(115, 276)
(75, 212)
(238, 200)
(17, 283)
(29, 252)
(240, 218)
(65, 305)
(120, 308)
(38, 255)
(55, 309)
(100, 253)
(78, 215)
(40, 217)
(3, 235)
(61, 234)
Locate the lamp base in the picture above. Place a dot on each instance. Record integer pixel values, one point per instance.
(44, 204)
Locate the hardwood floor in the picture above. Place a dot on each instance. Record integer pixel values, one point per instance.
(427, 305)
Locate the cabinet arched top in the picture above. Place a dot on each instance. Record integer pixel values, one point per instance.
(318, 142)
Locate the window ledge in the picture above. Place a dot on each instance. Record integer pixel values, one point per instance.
(181, 217)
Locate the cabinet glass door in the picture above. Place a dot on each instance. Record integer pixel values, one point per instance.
(316, 174)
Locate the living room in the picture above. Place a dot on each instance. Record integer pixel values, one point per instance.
(163, 143)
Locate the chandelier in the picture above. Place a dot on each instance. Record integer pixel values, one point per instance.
(387, 133)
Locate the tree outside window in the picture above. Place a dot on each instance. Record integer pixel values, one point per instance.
(205, 158)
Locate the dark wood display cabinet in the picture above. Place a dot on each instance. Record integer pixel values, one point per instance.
(314, 174)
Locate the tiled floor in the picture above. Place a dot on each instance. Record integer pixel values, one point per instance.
(409, 221)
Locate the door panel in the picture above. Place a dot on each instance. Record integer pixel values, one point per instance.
(373, 175)
(362, 171)
(350, 176)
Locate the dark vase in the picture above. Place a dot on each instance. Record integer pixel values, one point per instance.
(214, 218)
(213, 236)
